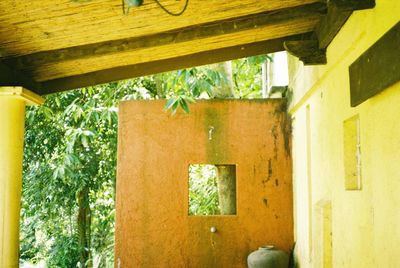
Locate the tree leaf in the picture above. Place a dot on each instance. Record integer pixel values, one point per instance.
(175, 106)
(184, 105)
(84, 141)
(169, 103)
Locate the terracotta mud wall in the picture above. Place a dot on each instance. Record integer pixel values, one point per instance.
(153, 228)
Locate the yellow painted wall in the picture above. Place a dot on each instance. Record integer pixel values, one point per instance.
(365, 223)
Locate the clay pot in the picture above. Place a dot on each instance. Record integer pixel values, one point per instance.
(268, 257)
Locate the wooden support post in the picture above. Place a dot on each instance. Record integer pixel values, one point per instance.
(12, 118)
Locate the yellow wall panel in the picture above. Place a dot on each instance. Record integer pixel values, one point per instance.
(364, 223)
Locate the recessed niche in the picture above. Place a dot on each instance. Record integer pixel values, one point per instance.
(212, 189)
(352, 153)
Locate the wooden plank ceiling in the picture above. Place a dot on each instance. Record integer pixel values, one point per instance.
(49, 46)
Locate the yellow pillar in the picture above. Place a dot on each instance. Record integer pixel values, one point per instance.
(12, 121)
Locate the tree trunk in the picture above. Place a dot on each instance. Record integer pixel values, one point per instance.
(84, 221)
(158, 78)
(225, 90)
(226, 174)
(226, 180)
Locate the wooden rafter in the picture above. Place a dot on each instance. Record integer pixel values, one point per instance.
(30, 27)
(307, 51)
(351, 5)
(202, 31)
(338, 13)
(137, 70)
(313, 51)
(12, 77)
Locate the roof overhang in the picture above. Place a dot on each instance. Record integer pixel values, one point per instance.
(50, 47)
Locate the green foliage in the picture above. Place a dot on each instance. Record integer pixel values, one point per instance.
(178, 101)
(70, 143)
(64, 251)
(203, 190)
(184, 86)
(247, 76)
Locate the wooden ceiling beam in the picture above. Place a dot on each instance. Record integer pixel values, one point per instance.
(172, 37)
(12, 77)
(338, 13)
(307, 51)
(313, 51)
(142, 69)
(351, 5)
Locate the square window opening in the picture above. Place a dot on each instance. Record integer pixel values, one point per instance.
(212, 189)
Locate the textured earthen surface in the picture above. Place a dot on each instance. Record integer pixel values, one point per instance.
(153, 228)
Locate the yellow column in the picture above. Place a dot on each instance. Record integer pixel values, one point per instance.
(12, 120)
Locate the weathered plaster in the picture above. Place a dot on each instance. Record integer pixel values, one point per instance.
(153, 228)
